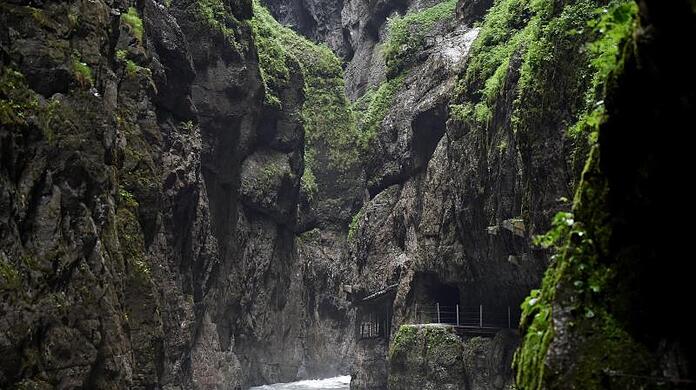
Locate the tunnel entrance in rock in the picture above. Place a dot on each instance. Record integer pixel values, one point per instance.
(428, 128)
(435, 300)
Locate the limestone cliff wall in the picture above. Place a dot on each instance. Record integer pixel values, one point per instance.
(149, 203)
(459, 185)
(600, 319)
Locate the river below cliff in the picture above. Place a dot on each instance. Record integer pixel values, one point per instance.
(335, 383)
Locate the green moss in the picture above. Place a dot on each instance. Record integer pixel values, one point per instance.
(405, 338)
(506, 28)
(132, 244)
(9, 275)
(560, 54)
(274, 59)
(83, 73)
(188, 126)
(373, 106)
(612, 25)
(440, 336)
(271, 171)
(132, 19)
(541, 38)
(310, 235)
(355, 224)
(326, 112)
(121, 55)
(16, 100)
(219, 16)
(126, 199)
(139, 184)
(41, 17)
(18, 103)
(407, 35)
(502, 146)
(577, 270)
(131, 68)
(308, 180)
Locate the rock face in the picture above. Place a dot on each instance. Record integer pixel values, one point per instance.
(317, 20)
(463, 177)
(149, 204)
(434, 357)
(189, 200)
(599, 320)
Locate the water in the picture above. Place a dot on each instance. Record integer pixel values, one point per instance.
(336, 383)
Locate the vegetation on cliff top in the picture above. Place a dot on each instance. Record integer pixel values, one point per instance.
(328, 119)
(407, 35)
(537, 38)
(219, 17)
(132, 19)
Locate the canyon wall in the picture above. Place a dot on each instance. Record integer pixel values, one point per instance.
(607, 315)
(195, 196)
(150, 193)
(473, 159)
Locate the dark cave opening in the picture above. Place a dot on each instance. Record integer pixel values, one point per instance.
(434, 300)
(429, 289)
(428, 128)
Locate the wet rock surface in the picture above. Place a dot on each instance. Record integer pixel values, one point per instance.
(149, 201)
(156, 231)
(434, 357)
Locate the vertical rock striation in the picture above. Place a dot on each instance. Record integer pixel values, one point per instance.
(460, 183)
(606, 316)
(150, 199)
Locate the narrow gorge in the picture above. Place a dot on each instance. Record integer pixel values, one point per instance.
(399, 194)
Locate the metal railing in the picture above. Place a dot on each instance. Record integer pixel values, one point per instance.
(467, 316)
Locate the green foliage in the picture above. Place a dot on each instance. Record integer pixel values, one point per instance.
(131, 68)
(612, 25)
(10, 278)
(18, 103)
(577, 271)
(404, 338)
(308, 180)
(270, 171)
(562, 223)
(373, 106)
(309, 183)
(506, 27)
(505, 31)
(121, 55)
(538, 33)
(438, 336)
(273, 58)
(559, 54)
(132, 19)
(326, 113)
(407, 35)
(355, 224)
(218, 15)
(83, 73)
(188, 126)
(132, 243)
(126, 199)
